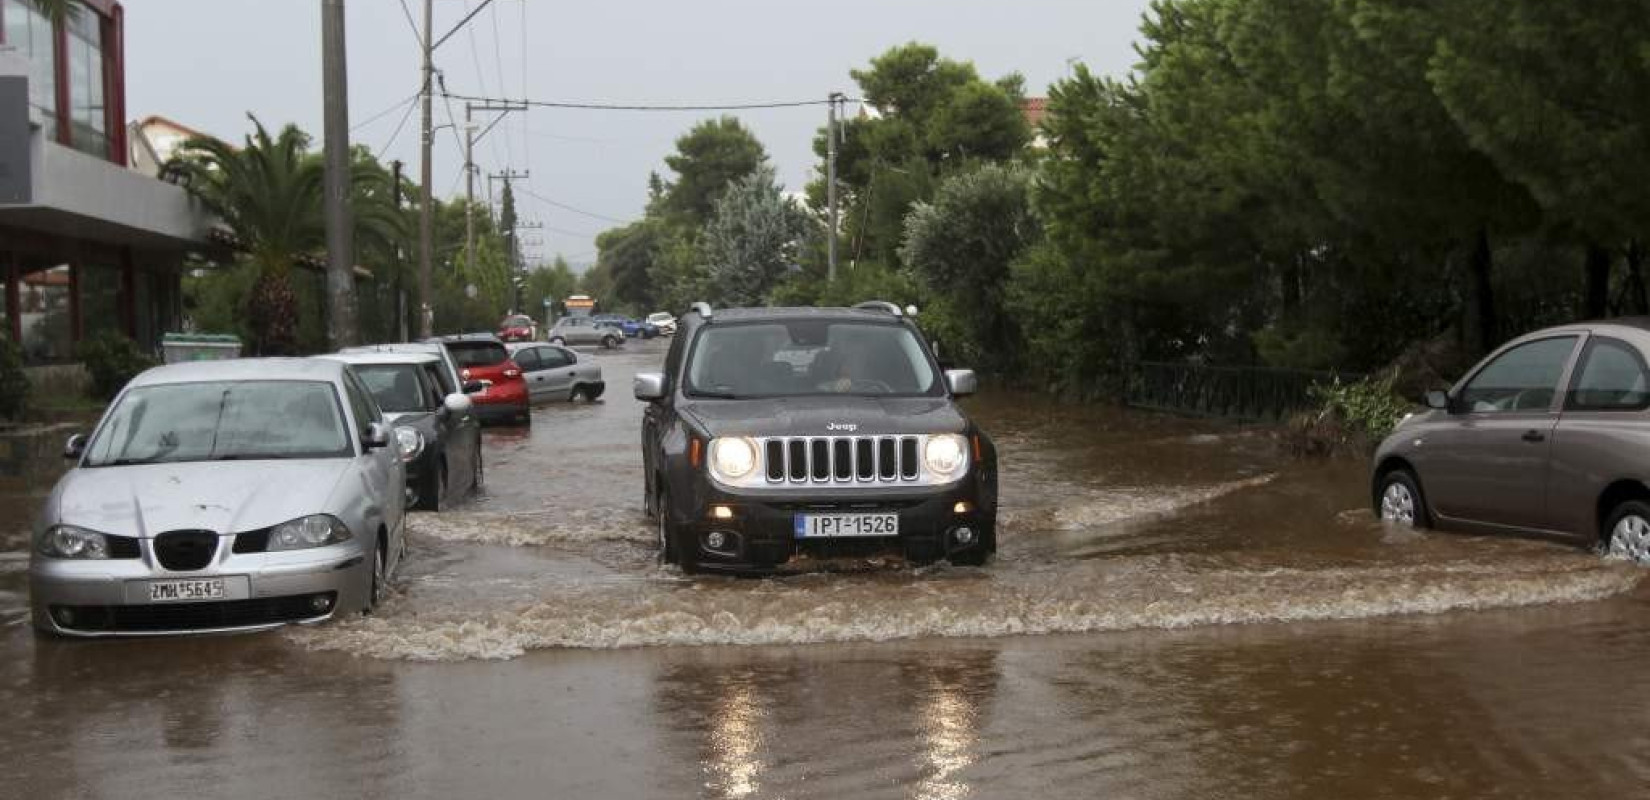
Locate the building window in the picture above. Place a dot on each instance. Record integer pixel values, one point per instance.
(88, 119)
(99, 286)
(32, 34)
(43, 311)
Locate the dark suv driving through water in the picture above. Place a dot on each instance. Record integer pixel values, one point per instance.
(779, 432)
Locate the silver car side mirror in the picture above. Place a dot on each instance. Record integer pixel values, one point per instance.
(378, 435)
(75, 447)
(456, 403)
(650, 386)
(961, 382)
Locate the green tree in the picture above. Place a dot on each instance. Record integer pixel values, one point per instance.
(752, 240)
(708, 158)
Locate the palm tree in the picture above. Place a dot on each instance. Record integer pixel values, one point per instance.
(269, 194)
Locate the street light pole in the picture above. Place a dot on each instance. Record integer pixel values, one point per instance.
(341, 322)
(830, 184)
(469, 194)
(426, 220)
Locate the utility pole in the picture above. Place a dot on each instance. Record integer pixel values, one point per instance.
(830, 182)
(341, 325)
(400, 282)
(470, 139)
(426, 219)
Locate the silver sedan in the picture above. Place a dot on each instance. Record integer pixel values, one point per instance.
(219, 496)
(557, 373)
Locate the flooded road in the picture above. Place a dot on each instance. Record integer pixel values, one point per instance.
(1176, 611)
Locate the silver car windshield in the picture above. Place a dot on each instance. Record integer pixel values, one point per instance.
(809, 357)
(222, 421)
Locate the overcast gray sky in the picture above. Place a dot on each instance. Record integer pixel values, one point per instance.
(206, 64)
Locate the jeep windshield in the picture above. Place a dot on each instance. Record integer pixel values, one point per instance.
(222, 421)
(799, 358)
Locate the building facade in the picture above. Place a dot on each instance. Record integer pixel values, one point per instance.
(87, 243)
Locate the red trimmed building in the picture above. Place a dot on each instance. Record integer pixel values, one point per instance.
(87, 244)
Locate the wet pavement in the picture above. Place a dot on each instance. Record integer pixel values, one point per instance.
(1176, 611)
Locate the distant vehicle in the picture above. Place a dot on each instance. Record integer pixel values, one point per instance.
(481, 357)
(786, 431)
(222, 496)
(556, 373)
(579, 305)
(518, 328)
(1548, 435)
(585, 331)
(665, 321)
(632, 329)
(439, 436)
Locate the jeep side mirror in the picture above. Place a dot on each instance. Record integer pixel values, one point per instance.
(377, 435)
(961, 382)
(650, 386)
(75, 447)
(1438, 399)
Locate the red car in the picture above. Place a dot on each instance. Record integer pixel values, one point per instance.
(482, 359)
(518, 328)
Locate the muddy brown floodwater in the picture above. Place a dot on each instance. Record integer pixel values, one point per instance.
(1176, 612)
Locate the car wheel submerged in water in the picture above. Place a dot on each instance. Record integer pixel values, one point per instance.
(1628, 533)
(1399, 500)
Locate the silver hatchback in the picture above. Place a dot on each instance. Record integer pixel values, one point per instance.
(218, 496)
(1548, 435)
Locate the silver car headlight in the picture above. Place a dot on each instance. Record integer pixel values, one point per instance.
(732, 458)
(68, 541)
(315, 530)
(409, 442)
(945, 454)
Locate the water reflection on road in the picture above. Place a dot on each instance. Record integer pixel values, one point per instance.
(571, 664)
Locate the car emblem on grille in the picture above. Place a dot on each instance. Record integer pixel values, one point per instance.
(841, 426)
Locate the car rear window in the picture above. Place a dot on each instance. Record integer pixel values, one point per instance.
(478, 354)
(517, 322)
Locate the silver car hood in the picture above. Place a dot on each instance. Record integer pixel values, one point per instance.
(222, 496)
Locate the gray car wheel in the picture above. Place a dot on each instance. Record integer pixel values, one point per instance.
(1400, 501)
(380, 578)
(1629, 533)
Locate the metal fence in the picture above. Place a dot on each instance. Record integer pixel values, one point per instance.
(1242, 393)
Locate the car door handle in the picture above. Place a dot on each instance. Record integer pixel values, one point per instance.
(1535, 436)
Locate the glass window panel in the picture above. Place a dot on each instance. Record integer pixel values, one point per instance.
(1521, 379)
(32, 36)
(86, 112)
(43, 306)
(1612, 378)
(99, 299)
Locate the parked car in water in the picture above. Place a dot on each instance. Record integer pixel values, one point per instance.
(450, 376)
(437, 431)
(664, 321)
(557, 373)
(585, 331)
(1550, 434)
(821, 431)
(482, 358)
(219, 496)
(518, 328)
(632, 328)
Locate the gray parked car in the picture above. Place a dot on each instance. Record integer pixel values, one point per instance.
(1548, 435)
(222, 495)
(556, 373)
(586, 331)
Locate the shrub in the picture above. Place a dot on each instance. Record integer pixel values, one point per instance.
(1352, 417)
(14, 384)
(112, 360)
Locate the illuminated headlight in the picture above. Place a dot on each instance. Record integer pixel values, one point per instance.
(409, 442)
(316, 530)
(67, 541)
(732, 459)
(945, 454)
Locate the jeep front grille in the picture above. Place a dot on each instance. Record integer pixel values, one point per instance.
(841, 460)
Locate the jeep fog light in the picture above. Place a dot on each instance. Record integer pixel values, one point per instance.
(962, 507)
(944, 454)
(963, 535)
(716, 540)
(732, 458)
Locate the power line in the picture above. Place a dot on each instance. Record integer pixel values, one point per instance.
(566, 207)
(382, 114)
(402, 124)
(411, 25)
(647, 107)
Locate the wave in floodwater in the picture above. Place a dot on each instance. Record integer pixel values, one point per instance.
(532, 528)
(1168, 591)
(1117, 504)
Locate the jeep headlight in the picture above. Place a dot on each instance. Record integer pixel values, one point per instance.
(945, 454)
(731, 459)
(68, 541)
(409, 442)
(315, 530)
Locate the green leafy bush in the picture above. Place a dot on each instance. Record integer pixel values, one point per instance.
(112, 360)
(1352, 417)
(14, 384)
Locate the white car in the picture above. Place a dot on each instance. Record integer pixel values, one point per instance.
(665, 320)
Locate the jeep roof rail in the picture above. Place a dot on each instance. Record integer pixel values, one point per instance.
(880, 305)
(704, 310)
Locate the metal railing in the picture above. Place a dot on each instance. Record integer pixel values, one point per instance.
(1241, 393)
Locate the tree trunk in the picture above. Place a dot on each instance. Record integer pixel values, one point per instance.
(1478, 321)
(1638, 295)
(1597, 299)
(273, 311)
(1289, 274)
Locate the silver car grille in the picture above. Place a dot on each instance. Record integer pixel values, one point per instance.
(841, 460)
